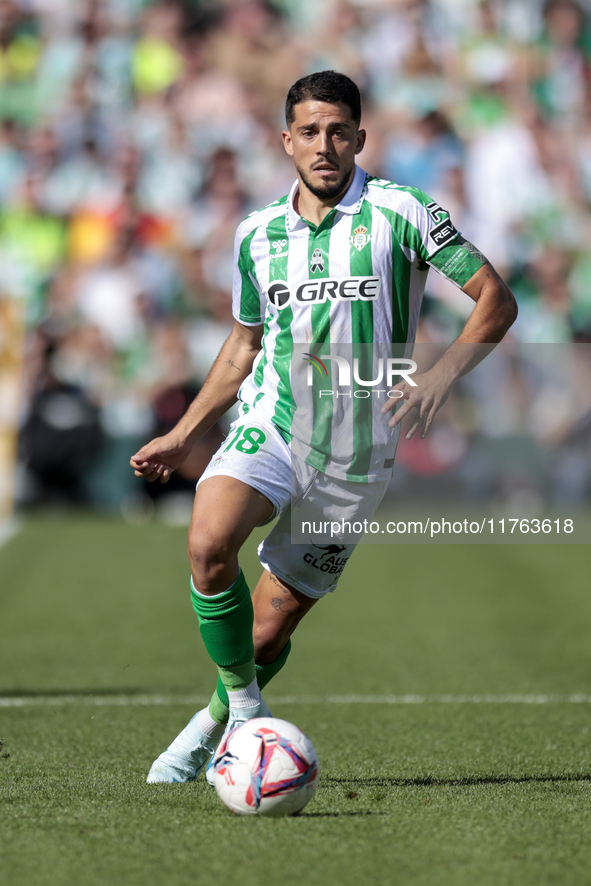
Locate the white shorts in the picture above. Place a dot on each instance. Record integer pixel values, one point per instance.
(255, 453)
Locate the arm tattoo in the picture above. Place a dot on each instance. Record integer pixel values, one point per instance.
(278, 604)
(278, 583)
(231, 363)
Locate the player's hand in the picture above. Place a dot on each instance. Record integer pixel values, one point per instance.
(420, 403)
(159, 458)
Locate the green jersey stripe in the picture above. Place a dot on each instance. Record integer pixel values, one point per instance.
(318, 250)
(362, 331)
(277, 234)
(260, 369)
(250, 302)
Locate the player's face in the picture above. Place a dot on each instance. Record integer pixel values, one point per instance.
(323, 141)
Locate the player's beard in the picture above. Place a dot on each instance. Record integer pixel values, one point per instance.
(327, 191)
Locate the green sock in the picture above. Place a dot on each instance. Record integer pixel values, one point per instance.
(225, 622)
(219, 707)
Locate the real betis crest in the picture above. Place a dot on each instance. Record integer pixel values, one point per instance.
(360, 238)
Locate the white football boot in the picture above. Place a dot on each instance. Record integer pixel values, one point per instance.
(236, 718)
(184, 759)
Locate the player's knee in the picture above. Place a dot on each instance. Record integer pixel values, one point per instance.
(208, 555)
(267, 651)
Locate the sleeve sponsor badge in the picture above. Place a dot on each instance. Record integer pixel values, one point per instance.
(443, 233)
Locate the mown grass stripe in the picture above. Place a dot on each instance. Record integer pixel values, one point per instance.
(148, 700)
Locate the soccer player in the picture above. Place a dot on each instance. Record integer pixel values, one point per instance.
(342, 259)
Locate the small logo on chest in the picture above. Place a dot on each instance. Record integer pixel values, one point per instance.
(360, 238)
(317, 262)
(278, 247)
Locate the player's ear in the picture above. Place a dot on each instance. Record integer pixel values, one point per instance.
(287, 142)
(361, 136)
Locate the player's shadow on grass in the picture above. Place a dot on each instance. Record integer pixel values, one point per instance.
(328, 781)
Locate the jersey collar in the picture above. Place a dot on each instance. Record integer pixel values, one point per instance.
(350, 204)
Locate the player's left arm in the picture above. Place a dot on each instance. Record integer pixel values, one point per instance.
(494, 312)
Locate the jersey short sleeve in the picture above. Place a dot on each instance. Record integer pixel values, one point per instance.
(439, 244)
(422, 225)
(248, 306)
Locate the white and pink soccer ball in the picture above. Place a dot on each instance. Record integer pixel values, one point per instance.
(266, 766)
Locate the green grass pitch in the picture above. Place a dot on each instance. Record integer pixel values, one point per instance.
(96, 626)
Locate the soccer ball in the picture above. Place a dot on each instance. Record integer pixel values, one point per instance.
(266, 766)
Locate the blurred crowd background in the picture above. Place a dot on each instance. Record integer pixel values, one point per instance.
(136, 135)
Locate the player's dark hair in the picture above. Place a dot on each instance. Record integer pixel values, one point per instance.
(324, 86)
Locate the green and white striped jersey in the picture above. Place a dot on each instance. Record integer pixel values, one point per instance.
(356, 279)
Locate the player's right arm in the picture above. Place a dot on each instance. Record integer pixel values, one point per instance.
(159, 458)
